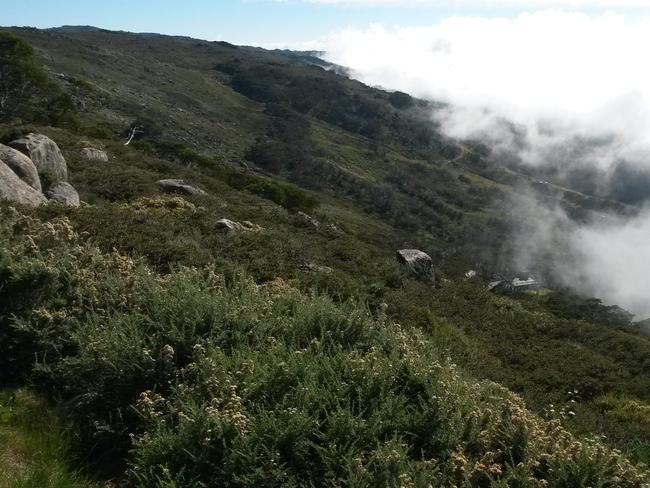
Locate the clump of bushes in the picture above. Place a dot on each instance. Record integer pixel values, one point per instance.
(201, 377)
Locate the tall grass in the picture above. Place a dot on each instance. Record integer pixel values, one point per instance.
(34, 445)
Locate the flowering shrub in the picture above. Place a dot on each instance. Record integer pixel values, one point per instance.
(192, 379)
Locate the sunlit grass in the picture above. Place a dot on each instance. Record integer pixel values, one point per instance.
(33, 445)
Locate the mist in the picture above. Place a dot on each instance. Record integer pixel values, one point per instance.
(553, 90)
(607, 257)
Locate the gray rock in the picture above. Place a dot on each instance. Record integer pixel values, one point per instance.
(21, 165)
(45, 155)
(308, 219)
(228, 226)
(63, 192)
(250, 226)
(417, 262)
(179, 186)
(231, 227)
(94, 155)
(15, 190)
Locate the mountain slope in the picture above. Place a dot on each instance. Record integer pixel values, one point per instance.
(267, 136)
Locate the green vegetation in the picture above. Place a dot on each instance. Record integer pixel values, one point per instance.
(26, 92)
(33, 445)
(200, 379)
(184, 356)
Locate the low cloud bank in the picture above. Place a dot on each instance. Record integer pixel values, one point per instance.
(608, 257)
(553, 89)
(554, 75)
(615, 260)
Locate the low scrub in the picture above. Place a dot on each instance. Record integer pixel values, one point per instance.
(204, 378)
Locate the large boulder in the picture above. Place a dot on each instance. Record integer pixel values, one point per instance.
(21, 165)
(15, 190)
(417, 262)
(179, 186)
(63, 192)
(94, 155)
(45, 155)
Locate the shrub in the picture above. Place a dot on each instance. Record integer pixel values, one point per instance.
(195, 378)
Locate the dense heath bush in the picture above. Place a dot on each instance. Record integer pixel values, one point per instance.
(197, 378)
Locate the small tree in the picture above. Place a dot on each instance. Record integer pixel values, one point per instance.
(26, 91)
(19, 76)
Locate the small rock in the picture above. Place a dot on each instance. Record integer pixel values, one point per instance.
(470, 274)
(308, 219)
(229, 226)
(419, 263)
(63, 192)
(45, 155)
(21, 165)
(15, 190)
(247, 224)
(179, 186)
(232, 227)
(95, 155)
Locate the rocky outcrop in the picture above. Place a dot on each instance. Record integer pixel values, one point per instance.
(45, 155)
(231, 227)
(21, 165)
(63, 192)
(16, 190)
(30, 158)
(94, 155)
(179, 186)
(418, 263)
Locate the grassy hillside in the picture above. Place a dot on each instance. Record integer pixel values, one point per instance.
(181, 355)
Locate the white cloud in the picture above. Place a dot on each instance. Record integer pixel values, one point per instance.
(615, 260)
(560, 76)
(606, 258)
(583, 74)
(545, 61)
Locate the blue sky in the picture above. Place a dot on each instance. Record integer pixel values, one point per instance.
(260, 22)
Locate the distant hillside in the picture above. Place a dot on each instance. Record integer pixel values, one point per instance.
(75, 29)
(315, 58)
